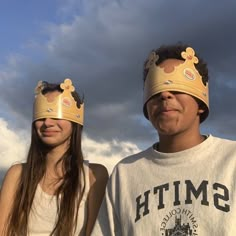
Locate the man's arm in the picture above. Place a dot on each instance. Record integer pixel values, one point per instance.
(108, 223)
(98, 176)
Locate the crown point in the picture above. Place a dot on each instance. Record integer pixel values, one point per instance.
(38, 88)
(189, 55)
(67, 85)
(152, 59)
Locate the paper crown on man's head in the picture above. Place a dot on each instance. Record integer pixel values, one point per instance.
(64, 106)
(184, 78)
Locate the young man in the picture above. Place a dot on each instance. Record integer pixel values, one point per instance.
(185, 183)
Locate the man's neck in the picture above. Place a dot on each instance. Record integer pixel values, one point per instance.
(179, 142)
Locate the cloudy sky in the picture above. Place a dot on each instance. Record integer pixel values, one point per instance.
(101, 45)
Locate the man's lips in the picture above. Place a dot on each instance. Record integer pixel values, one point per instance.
(166, 110)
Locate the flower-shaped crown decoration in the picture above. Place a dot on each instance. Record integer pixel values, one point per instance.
(67, 85)
(189, 55)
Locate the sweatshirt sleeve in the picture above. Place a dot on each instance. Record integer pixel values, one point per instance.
(108, 223)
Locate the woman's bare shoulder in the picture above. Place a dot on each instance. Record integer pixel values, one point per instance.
(11, 179)
(13, 173)
(7, 193)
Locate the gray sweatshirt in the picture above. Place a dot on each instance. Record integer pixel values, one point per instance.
(192, 192)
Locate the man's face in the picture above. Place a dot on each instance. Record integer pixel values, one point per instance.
(173, 112)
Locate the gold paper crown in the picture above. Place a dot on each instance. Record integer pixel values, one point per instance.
(184, 78)
(63, 106)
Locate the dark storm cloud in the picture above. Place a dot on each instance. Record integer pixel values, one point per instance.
(103, 52)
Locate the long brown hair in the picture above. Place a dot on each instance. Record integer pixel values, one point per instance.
(33, 171)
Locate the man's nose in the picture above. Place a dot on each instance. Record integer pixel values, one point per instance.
(165, 95)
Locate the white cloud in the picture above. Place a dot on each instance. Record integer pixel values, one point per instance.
(13, 145)
(108, 153)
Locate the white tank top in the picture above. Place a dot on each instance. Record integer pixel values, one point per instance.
(44, 211)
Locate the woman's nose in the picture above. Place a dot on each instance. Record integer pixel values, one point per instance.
(48, 122)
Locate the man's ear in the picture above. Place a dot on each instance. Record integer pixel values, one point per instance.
(201, 110)
(201, 106)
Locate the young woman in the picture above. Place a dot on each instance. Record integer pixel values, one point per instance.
(55, 192)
